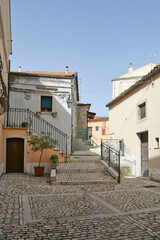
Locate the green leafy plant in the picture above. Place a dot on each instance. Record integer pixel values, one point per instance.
(54, 158)
(3, 101)
(41, 143)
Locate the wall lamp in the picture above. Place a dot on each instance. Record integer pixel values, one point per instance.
(69, 102)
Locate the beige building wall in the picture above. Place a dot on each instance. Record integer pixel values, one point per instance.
(5, 50)
(124, 123)
(100, 129)
(31, 159)
(5, 37)
(120, 84)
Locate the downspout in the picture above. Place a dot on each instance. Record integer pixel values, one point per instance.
(72, 130)
(9, 66)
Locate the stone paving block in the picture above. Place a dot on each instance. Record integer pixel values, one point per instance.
(121, 211)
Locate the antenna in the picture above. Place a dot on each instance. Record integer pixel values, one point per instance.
(151, 55)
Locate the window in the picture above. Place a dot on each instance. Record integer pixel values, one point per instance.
(97, 128)
(46, 104)
(156, 143)
(120, 145)
(103, 131)
(142, 110)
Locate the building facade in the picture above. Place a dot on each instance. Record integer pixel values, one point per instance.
(134, 117)
(98, 128)
(5, 51)
(125, 81)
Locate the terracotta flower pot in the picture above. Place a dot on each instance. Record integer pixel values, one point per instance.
(54, 165)
(39, 171)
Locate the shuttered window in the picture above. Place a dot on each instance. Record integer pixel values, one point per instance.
(46, 104)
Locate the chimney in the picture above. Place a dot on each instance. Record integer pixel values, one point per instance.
(130, 69)
(67, 69)
(19, 69)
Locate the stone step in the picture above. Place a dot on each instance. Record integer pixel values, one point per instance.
(84, 153)
(85, 159)
(82, 178)
(80, 167)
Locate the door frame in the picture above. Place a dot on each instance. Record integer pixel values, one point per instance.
(139, 152)
(5, 147)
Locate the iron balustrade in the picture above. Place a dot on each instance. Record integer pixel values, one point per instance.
(111, 156)
(18, 117)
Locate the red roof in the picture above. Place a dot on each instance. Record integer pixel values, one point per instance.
(69, 74)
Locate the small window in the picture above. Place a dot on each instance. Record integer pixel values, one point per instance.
(103, 131)
(97, 128)
(156, 143)
(46, 104)
(120, 145)
(142, 110)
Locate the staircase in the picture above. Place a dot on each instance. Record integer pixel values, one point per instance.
(16, 117)
(84, 167)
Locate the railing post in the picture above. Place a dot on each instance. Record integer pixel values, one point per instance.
(66, 147)
(29, 125)
(101, 150)
(109, 163)
(119, 172)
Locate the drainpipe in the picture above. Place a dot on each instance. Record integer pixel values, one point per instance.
(9, 66)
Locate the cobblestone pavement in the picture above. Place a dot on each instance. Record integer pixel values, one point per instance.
(30, 208)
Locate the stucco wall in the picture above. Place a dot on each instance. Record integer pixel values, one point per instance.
(121, 85)
(103, 125)
(5, 37)
(124, 123)
(31, 159)
(36, 87)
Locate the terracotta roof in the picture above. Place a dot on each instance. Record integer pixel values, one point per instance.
(69, 74)
(91, 115)
(98, 118)
(136, 85)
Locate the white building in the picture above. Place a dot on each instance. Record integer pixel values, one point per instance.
(126, 80)
(135, 117)
(51, 95)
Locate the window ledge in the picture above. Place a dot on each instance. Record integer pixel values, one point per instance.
(54, 114)
(156, 147)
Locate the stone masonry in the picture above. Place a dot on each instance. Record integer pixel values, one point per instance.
(32, 209)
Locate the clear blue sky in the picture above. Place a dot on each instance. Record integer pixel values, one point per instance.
(96, 38)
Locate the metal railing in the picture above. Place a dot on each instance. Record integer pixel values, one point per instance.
(19, 117)
(112, 157)
(117, 144)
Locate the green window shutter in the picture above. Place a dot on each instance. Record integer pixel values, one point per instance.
(46, 103)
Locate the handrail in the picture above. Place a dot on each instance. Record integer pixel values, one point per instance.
(112, 148)
(18, 116)
(112, 156)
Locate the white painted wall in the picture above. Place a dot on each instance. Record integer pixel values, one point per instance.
(124, 124)
(44, 86)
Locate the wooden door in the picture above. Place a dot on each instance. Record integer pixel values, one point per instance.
(144, 154)
(14, 155)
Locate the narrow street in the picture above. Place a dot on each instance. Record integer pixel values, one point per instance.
(30, 208)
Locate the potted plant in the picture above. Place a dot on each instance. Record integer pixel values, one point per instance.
(54, 159)
(24, 124)
(41, 143)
